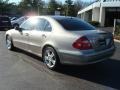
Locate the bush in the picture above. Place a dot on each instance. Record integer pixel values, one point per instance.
(117, 37)
(95, 23)
(117, 30)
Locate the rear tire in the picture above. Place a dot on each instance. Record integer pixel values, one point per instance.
(9, 43)
(51, 58)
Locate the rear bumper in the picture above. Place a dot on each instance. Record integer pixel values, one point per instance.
(83, 59)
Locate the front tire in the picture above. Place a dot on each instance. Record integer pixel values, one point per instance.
(9, 43)
(50, 58)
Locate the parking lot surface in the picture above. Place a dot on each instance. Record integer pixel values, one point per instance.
(20, 70)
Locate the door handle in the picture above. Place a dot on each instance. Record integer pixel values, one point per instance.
(26, 34)
(44, 36)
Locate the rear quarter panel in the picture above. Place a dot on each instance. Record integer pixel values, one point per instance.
(60, 38)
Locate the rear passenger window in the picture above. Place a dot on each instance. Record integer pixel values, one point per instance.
(43, 25)
(48, 26)
(40, 24)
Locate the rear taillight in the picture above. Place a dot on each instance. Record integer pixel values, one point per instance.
(82, 44)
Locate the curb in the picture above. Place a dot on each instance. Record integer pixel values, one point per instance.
(117, 40)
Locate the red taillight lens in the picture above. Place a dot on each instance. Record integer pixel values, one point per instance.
(82, 44)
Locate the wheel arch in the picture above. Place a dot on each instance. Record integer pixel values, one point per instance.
(12, 45)
(48, 45)
(7, 34)
(56, 50)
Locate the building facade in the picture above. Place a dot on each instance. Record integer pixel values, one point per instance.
(102, 11)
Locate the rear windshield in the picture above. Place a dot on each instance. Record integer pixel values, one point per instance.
(75, 24)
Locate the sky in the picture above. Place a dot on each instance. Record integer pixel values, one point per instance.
(17, 1)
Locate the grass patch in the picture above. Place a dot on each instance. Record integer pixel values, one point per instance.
(117, 32)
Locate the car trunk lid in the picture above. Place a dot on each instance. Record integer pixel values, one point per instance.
(100, 40)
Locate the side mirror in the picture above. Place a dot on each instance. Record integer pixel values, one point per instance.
(18, 28)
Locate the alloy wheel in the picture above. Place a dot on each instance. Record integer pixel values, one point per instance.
(50, 58)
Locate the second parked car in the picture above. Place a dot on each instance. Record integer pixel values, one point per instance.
(5, 23)
(19, 21)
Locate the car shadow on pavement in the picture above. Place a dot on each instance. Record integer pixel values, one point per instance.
(106, 73)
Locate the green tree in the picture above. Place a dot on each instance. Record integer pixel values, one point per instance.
(69, 8)
(5, 7)
(27, 6)
(37, 5)
(52, 6)
(78, 5)
(24, 6)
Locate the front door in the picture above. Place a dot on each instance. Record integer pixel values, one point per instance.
(21, 38)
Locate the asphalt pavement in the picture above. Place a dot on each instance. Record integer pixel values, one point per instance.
(20, 70)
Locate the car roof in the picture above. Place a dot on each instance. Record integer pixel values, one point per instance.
(61, 17)
(55, 17)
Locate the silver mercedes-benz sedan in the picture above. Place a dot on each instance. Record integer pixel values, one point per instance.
(61, 40)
